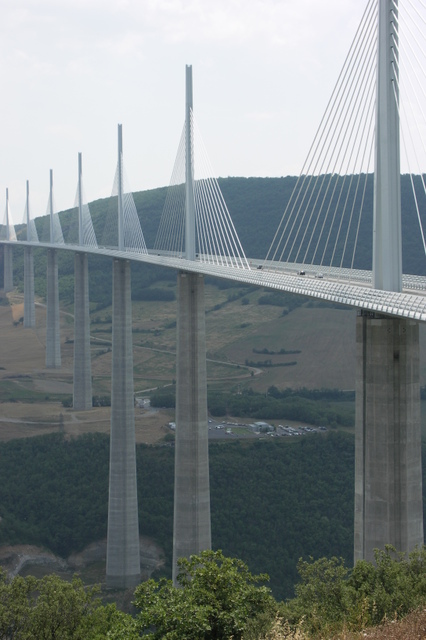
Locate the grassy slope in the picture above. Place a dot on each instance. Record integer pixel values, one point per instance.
(325, 338)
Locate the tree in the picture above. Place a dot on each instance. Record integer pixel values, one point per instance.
(61, 607)
(331, 597)
(15, 607)
(53, 609)
(323, 599)
(390, 587)
(216, 598)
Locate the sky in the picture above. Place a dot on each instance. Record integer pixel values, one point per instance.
(263, 71)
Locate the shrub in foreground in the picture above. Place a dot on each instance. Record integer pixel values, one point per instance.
(217, 598)
(331, 597)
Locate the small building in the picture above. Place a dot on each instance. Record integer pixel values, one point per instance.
(143, 403)
(261, 427)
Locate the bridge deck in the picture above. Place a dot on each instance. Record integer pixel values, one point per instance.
(344, 286)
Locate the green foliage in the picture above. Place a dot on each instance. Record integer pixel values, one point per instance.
(164, 398)
(16, 391)
(322, 596)
(269, 363)
(392, 586)
(45, 497)
(312, 407)
(271, 502)
(53, 609)
(97, 401)
(331, 597)
(164, 295)
(217, 598)
(101, 401)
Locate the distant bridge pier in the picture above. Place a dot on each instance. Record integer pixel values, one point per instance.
(191, 526)
(123, 553)
(53, 344)
(7, 268)
(123, 559)
(29, 306)
(82, 390)
(388, 469)
(191, 531)
(7, 252)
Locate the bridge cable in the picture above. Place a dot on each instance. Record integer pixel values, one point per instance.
(306, 183)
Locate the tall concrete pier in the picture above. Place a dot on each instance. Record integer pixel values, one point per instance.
(123, 561)
(82, 391)
(388, 474)
(191, 531)
(53, 344)
(29, 307)
(123, 554)
(53, 340)
(7, 253)
(7, 268)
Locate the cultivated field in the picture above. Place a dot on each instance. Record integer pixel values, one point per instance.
(322, 338)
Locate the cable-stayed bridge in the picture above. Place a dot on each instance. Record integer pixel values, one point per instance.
(313, 252)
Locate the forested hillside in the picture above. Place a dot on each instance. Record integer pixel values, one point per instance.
(271, 501)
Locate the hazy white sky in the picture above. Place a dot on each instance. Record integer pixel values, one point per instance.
(71, 70)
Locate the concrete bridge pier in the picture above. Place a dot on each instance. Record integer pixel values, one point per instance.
(123, 559)
(82, 391)
(191, 532)
(7, 268)
(53, 345)
(388, 471)
(29, 307)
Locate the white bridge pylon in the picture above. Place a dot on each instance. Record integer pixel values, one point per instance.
(194, 198)
(7, 230)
